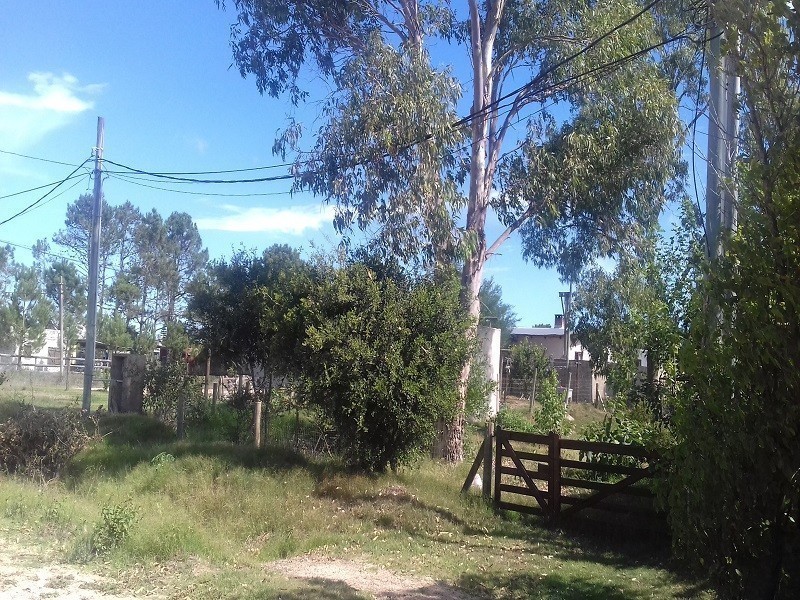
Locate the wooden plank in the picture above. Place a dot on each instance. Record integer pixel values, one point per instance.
(515, 489)
(607, 448)
(532, 456)
(498, 464)
(537, 475)
(613, 488)
(520, 508)
(599, 485)
(523, 472)
(473, 470)
(529, 438)
(554, 485)
(601, 468)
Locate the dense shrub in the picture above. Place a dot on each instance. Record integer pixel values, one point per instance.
(513, 420)
(164, 386)
(635, 424)
(39, 443)
(384, 354)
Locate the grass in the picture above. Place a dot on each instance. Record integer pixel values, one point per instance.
(208, 521)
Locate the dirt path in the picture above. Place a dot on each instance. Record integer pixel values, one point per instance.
(366, 578)
(27, 574)
(33, 573)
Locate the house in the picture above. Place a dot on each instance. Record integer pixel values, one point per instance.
(573, 365)
(43, 359)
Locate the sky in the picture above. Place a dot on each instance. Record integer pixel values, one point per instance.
(160, 74)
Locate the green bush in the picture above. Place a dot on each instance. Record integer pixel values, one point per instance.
(116, 522)
(39, 443)
(551, 412)
(385, 352)
(626, 425)
(513, 420)
(164, 386)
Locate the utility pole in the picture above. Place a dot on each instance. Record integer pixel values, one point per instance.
(94, 260)
(61, 326)
(723, 134)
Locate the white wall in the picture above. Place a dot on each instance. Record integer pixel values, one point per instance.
(490, 351)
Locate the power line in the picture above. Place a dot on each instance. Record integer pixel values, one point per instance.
(41, 187)
(47, 160)
(559, 64)
(189, 180)
(45, 252)
(495, 104)
(132, 181)
(53, 189)
(597, 71)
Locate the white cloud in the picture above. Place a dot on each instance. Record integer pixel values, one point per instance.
(292, 220)
(25, 118)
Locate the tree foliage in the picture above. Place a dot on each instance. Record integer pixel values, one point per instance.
(640, 308)
(735, 494)
(383, 357)
(495, 312)
(248, 312)
(26, 314)
(391, 151)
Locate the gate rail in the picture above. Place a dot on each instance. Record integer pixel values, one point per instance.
(561, 486)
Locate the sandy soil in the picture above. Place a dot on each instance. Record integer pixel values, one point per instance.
(32, 574)
(27, 575)
(366, 578)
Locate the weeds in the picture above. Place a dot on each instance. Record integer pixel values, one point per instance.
(39, 443)
(114, 526)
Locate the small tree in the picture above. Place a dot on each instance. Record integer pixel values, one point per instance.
(529, 362)
(735, 489)
(27, 314)
(384, 354)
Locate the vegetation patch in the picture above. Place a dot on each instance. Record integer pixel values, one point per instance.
(39, 443)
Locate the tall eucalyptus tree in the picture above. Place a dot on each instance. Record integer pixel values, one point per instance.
(593, 127)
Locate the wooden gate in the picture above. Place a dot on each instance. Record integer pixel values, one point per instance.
(558, 477)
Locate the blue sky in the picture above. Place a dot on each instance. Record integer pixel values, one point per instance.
(160, 74)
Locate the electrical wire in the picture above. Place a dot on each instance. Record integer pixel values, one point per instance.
(497, 103)
(46, 252)
(32, 205)
(41, 187)
(541, 76)
(190, 180)
(132, 181)
(47, 160)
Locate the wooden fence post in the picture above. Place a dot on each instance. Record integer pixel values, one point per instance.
(208, 375)
(182, 414)
(498, 462)
(554, 481)
(257, 424)
(215, 394)
(487, 461)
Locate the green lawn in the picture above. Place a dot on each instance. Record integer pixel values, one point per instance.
(209, 516)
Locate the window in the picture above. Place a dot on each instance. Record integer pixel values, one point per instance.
(52, 356)
(578, 355)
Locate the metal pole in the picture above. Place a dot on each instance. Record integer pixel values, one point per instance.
(94, 259)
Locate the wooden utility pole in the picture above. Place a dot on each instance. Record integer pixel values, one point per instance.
(61, 326)
(94, 260)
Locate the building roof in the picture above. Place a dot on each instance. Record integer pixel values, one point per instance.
(537, 331)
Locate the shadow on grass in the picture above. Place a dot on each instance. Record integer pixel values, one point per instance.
(130, 440)
(315, 589)
(553, 585)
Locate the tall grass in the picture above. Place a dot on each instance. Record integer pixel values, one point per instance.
(233, 508)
